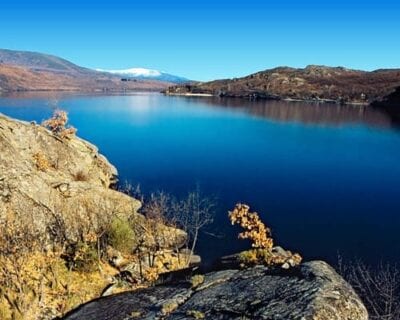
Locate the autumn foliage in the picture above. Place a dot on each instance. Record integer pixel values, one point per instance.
(58, 124)
(262, 242)
(255, 229)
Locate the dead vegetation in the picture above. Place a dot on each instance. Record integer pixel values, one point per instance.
(41, 275)
(80, 176)
(378, 287)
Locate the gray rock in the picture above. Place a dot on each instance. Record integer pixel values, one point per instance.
(195, 260)
(311, 291)
(280, 251)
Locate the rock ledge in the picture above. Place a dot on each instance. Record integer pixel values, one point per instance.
(312, 291)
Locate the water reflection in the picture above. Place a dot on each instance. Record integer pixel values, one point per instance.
(304, 112)
(312, 113)
(310, 182)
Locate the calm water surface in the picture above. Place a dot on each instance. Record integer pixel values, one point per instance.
(325, 178)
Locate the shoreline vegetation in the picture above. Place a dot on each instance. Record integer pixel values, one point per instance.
(66, 237)
(207, 95)
(314, 83)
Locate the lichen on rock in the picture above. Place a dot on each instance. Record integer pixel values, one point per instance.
(312, 291)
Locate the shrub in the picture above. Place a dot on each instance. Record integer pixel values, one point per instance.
(255, 230)
(58, 124)
(41, 161)
(267, 257)
(248, 257)
(262, 242)
(121, 235)
(82, 257)
(168, 307)
(151, 274)
(80, 176)
(197, 280)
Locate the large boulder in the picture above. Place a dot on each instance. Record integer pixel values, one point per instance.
(311, 291)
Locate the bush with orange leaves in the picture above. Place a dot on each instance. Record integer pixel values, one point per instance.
(255, 229)
(262, 242)
(58, 124)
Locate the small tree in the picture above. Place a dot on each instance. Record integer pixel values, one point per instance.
(193, 214)
(255, 229)
(262, 242)
(156, 210)
(58, 124)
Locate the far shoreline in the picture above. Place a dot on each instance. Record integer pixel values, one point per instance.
(324, 101)
(8, 93)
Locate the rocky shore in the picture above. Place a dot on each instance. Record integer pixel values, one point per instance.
(55, 206)
(58, 218)
(311, 291)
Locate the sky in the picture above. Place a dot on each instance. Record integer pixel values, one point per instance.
(205, 40)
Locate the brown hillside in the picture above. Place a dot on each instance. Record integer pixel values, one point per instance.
(311, 83)
(17, 78)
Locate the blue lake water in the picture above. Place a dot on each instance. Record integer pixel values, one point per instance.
(325, 178)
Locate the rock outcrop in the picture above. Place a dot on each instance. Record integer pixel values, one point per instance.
(44, 178)
(311, 291)
(47, 181)
(57, 212)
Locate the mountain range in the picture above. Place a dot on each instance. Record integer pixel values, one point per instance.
(142, 73)
(33, 71)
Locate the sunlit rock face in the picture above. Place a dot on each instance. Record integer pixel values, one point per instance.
(45, 179)
(312, 291)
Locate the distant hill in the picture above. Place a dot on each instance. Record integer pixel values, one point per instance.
(142, 73)
(39, 61)
(313, 83)
(24, 70)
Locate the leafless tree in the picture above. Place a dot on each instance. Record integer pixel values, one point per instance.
(131, 190)
(156, 209)
(192, 214)
(378, 287)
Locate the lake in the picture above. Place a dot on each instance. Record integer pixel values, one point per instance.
(325, 178)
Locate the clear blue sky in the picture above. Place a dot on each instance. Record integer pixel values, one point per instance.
(206, 39)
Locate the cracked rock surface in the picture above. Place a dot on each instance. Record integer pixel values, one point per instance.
(311, 291)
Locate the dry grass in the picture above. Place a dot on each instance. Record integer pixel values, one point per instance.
(80, 176)
(41, 161)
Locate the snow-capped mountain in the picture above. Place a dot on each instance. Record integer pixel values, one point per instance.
(142, 73)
